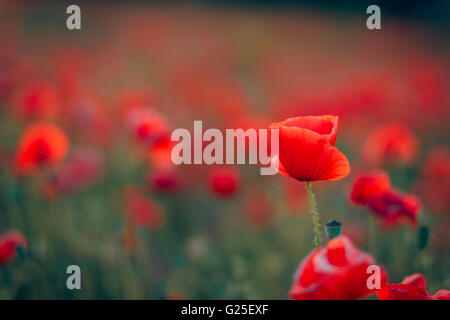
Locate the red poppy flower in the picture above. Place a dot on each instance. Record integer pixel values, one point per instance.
(390, 143)
(336, 272)
(375, 192)
(394, 207)
(307, 151)
(142, 211)
(40, 145)
(9, 242)
(369, 185)
(412, 287)
(224, 181)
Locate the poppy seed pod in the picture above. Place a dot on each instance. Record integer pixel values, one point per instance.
(333, 229)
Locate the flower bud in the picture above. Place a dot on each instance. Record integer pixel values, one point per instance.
(333, 229)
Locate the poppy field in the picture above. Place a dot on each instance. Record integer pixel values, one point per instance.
(87, 176)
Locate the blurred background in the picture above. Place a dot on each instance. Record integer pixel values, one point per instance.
(140, 227)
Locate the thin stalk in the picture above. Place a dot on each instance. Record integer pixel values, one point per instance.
(315, 218)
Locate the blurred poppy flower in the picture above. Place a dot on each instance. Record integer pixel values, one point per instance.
(10, 241)
(165, 181)
(82, 170)
(306, 149)
(337, 272)
(434, 183)
(390, 143)
(394, 207)
(142, 211)
(412, 287)
(36, 101)
(374, 191)
(147, 124)
(40, 145)
(160, 153)
(369, 185)
(224, 181)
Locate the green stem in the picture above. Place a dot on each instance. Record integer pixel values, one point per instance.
(316, 222)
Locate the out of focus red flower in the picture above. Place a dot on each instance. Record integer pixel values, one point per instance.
(147, 124)
(40, 145)
(307, 151)
(394, 207)
(412, 287)
(224, 181)
(374, 191)
(165, 181)
(82, 170)
(9, 242)
(142, 211)
(390, 143)
(36, 101)
(434, 183)
(369, 185)
(160, 153)
(337, 272)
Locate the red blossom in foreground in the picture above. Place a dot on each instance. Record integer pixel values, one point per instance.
(390, 143)
(142, 211)
(412, 287)
(9, 242)
(40, 145)
(224, 182)
(307, 151)
(337, 271)
(374, 191)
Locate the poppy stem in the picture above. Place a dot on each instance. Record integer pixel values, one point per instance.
(316, 222)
